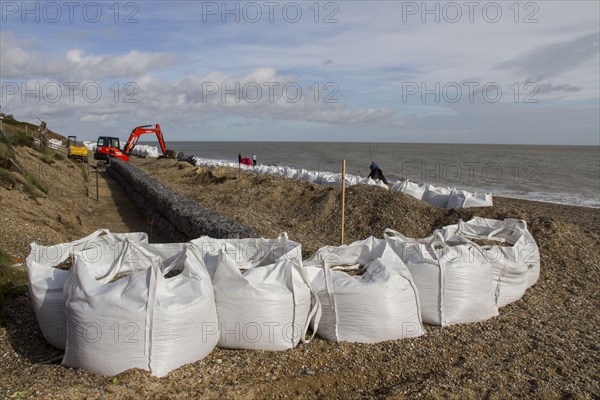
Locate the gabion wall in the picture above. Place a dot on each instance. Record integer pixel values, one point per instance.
(178, 218)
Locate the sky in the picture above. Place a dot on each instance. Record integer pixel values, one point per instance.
(368, 71)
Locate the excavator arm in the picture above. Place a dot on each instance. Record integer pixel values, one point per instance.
(141, 130)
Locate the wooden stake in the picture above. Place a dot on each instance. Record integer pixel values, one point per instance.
(97, 188)
(343, 196)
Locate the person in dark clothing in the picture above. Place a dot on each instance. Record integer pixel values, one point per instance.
(239, 158)
(377, 173)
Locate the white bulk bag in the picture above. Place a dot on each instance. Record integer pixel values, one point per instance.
(372, 182)
(309, 176)
(397, 186)
(265, 308)
(91, 146)
(288, 172)
(437, 196)
(458, 198)
(382, 304)
(352, 180)
(251, 252)
(515, 268)
(142, 320)
(464, 199)
(413, 189)
(298, 174)
(361, 252)
(453, 277)
(380, 183)
(270, 305)
(479, 200)
(151, 151)
(262, 169)
(46, 282)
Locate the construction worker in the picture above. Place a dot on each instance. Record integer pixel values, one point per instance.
(377, 173)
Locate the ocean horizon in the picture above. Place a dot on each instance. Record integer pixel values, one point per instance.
(564, 174)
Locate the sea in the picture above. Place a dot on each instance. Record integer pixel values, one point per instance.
(556, 174)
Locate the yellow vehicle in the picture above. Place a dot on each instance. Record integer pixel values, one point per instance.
(76, 152)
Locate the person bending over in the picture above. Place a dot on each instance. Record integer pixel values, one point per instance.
(377, 173)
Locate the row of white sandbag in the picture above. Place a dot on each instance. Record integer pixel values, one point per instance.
(443, 197)
(150, 320)
(271, 304)
(91, 146)
(142, 150)
(458, 280)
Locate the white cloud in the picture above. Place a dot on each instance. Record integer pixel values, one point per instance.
(14, 58)
(194, 99)
(369, 54)
(20, 61)
(78, 65)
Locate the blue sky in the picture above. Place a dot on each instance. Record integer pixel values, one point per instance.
(391, 71)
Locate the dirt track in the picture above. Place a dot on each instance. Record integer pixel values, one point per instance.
(115, 210)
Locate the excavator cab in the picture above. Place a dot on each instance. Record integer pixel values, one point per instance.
(107, 147)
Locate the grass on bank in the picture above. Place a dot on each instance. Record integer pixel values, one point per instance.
(29, 184)
(21, 139)
(34, 182)
(13, 280)
(46, 158)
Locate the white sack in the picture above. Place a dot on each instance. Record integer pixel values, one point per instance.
(412, 188)
(453, 277)
(515, 268)
(397, 185)
(382, 304)
(91, 146)
(151, 151)
(437, 196)
(464, 199)
(268, 306)
(358, 253)
(46, 282)
(252, 252)
(142, 320)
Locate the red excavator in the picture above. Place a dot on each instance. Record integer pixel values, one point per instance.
(109, 146)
